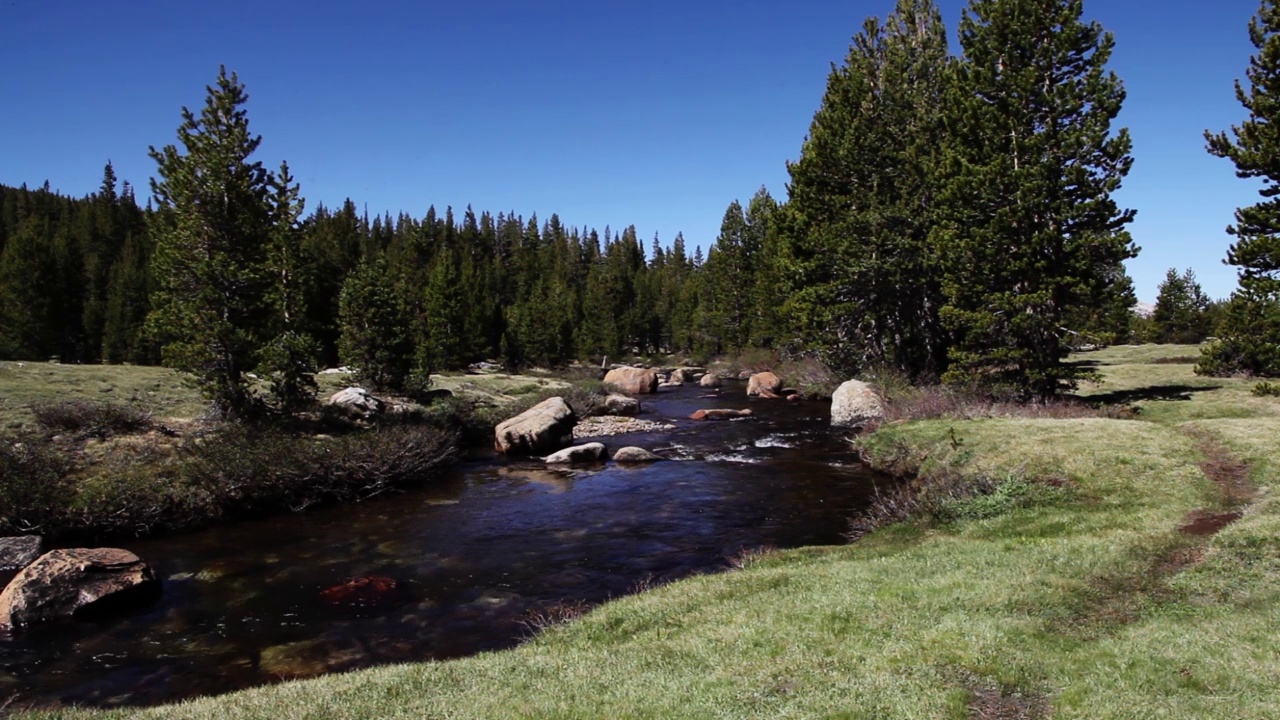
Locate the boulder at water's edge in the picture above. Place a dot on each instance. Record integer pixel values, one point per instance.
(765, 385)
(616, 404)
(856, 403)
(77, 583)
(637, 381)
(543, 428)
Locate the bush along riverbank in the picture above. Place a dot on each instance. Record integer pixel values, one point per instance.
(1064, 567)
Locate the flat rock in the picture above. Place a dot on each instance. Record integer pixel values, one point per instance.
(82, 582)
(635, 455)
(720, 414)
(18, 552)
(543, 428)
(588, 453)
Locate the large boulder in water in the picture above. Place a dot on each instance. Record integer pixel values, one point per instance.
(710, 380)
(543, 428)
(19, 552)
(588, 453)
(635, 456)
(765, 385)
(637, 381)
(856, 403)
(77, 583)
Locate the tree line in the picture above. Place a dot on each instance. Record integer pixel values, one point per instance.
(950, 217)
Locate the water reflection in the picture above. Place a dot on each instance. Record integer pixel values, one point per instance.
(455, 568)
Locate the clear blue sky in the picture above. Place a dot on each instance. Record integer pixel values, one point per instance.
(655, 114)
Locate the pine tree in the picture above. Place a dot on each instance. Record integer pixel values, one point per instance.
(1031, 232)
(29, 279)
(864, 277)
(1180, 314)
(375, 339)
(215, 221)
(1250, 333)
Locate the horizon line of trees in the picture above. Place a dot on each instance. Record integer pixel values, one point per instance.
(950, 218)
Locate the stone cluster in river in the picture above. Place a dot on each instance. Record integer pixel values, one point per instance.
(609, 425)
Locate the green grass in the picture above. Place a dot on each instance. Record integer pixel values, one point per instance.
(1088, 604)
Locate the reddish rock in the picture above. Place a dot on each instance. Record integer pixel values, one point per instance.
(719, 414)
(764, 385)
(363, 592)
(637, 381)
(77, 583)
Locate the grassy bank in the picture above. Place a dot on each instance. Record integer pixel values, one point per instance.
(1068, 587)
(93, 453)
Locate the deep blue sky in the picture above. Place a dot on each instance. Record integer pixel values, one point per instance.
(655, 113)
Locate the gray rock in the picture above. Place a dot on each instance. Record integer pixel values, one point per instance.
(589, 453)
(856, 403)
(616, 404)
(635, 455)
(65, 584)
(19, 552)
(543, 428)
(710, 380)
(357, 401)
(679, 376)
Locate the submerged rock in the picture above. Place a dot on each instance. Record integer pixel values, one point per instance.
(543, 428)
(589, 453)
(19, 552)
(636, 381)
(635, 455)
(77, 583)
(856, 403)
(720, 414)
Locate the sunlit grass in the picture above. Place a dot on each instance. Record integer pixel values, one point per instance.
(1074, 604)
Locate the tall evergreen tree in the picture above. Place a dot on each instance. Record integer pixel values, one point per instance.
(375, 337)
(1031, 232)
(865, 287)
(210, 309)
(1181, 309)
(1250, 333)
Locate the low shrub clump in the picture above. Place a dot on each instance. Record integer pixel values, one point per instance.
(939, 401)
(1266, 389)
(89, 418)
(586, 397)
(230, 472)
(810, 377)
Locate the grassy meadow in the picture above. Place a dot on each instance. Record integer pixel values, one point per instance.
(1074, 585)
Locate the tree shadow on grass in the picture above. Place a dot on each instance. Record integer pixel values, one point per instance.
(1153, 392)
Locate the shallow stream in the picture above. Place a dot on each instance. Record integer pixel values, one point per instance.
(456, 568)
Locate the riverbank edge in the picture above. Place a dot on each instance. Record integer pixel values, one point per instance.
(1067, 589)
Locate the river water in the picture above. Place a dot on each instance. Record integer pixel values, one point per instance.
(456, 568)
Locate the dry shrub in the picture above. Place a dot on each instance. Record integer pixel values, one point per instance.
(89, 418)
(34, 489)
(748, 556)
(539, 621)
(933, 402)
(810, 377)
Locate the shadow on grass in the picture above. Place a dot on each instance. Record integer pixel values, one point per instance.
(1153, 392)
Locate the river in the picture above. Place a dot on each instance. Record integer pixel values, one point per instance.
(459, 567)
